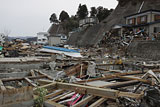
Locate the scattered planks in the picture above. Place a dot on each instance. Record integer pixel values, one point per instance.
(101, 92)
(76, 69)
(84, 101)
(30, 82)
(111, 76)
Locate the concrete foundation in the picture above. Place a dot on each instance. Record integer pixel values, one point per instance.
(24, 66)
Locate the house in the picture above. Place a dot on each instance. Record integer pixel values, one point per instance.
(57, 35)
(148, 20)
(2, 38)
(42, 38)
(88, 21)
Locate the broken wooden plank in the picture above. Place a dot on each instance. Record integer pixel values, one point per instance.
(121, 84)
(76, 69)
(49, 103)
(30, 77)
(30, 82)
(132, 78)
(84, 101)
(106, 93)
(88, 90)
(98, 102)
(114, 71)
(32, 73)
(131, 95)
(49, 77)
(44, 82)
(54, 94)
(111, 76)
(59, 97)
(49, 87)
(102, 92)
(3, 88)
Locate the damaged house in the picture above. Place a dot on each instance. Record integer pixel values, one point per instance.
(89, 21)
(42, 38)
(57, 35)
(148, 20)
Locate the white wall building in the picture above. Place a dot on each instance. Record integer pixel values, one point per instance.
(88, 21)
(42, 38)
(58, 39)
(2, 38)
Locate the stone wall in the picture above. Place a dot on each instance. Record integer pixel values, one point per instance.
(145, 49)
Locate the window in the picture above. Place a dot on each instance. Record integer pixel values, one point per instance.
(43, 40)
(39, 39)
(131, 21)
(143, 19)
(157, 17)
(63, 37)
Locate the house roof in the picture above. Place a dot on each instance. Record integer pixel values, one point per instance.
(150, 10)
(56, 29)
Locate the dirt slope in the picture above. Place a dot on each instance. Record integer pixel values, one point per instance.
(94, 34)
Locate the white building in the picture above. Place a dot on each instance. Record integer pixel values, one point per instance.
(57, 35)
(42, 38)
(58, 39)
(88, 21)
(2, 38)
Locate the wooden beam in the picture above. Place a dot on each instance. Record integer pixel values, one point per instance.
(54, 94)
(49, 87)
(84, 101)
(44, 82)
(49, 103)
(132, 78)
(49, 77)
(22, 78)
(30, 82)
(101, 69)
(2, 87)
(101, 92)
(98, 102)
(112, 76)
(106, 93)
(75, 69)
(121, 84)
(59, 97)
(131, 95)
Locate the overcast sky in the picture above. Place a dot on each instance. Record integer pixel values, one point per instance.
(28, 17)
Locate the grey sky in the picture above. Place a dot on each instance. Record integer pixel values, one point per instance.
(28, 17)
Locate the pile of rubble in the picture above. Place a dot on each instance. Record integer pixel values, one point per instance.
(19, 48)
(88, 81)
(56, 76)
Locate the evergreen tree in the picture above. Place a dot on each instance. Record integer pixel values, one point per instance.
(53, 18)
(63, 16)
(82, 11)
(103, 13)
(93, 12)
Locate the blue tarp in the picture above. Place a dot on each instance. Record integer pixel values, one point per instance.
(60, 49)
(1, 48)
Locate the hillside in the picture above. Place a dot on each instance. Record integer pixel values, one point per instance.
(94, 34)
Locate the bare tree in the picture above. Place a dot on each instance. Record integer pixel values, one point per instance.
(6, 33)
